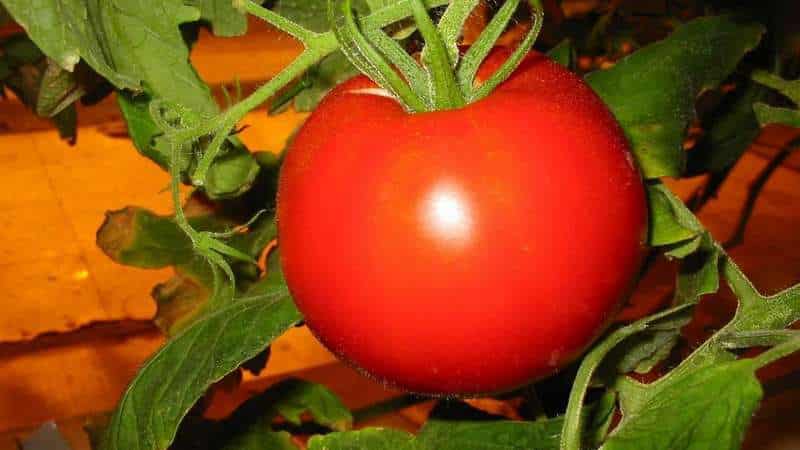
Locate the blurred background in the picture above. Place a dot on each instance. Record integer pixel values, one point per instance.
(75, 326)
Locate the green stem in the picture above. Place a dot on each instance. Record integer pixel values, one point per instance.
(778, 352)
(276, 20)
(511, 64)
(280, 102)
(571, 432)
(758, 338)
(446, 93)
(175, 189)
(228, 119)
(451, 24)
(415, 75)
(317, 48)
(484, 44)
(369, 60)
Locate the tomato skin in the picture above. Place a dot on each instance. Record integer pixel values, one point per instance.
(466, 251)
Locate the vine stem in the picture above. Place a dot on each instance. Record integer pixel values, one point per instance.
(225, 123)
(571, 437)
(446, 93)
(317, 47)
(756, 313)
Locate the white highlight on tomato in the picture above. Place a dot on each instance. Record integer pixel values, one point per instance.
(447, 215)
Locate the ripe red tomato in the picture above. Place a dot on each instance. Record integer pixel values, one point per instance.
(465, 251)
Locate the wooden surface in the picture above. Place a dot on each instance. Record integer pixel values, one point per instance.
(75, 327)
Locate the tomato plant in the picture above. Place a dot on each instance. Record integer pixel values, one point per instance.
(465, 239)
(460, 219)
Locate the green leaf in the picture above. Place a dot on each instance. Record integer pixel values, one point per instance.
(698, 274)
(137, 45)
(139, 238)
(671, 223)
(42, 85)
(770, 114)
(251, 425)
(652, 92)
(223, 16)
(369, 438)
(453, 434)
(442, 434)
(292, 397)
(571, 437)
(729, 135)
(706, 408)
(313, 14)
(183, 298)
(58, 90)
(563, 53)
(177, 376)
(491, 435)
(789, 88)
(767, 114)
(142, 129)
(130, 44)
(641, 352)
(232, 174)
(602, 418)
(331, 71)
(261, 438)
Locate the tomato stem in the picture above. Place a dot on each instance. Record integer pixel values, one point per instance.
(361, 52)
(446, 93)
(483, 45)
(511, 64)
(444, 81)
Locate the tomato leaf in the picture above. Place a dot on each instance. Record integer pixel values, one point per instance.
(480, 435)
(767, 114)
(291, 398)
(564, 54)
(252, 425)
(331, 71)
(698, 274)
(652, 92)
(43, 86)
(449, 434)
(259, 438)
(313, 14)
(58, 90)
(223, 16)
(770, 114)
(729, 135)
(641, 352)
(142, 129)
(137, 46)
(706, 408)
(139, 238)
(671, 223)
(130, 45)
(177, 376)
(368, 438)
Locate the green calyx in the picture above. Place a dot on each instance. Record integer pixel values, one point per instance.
(443, 79)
